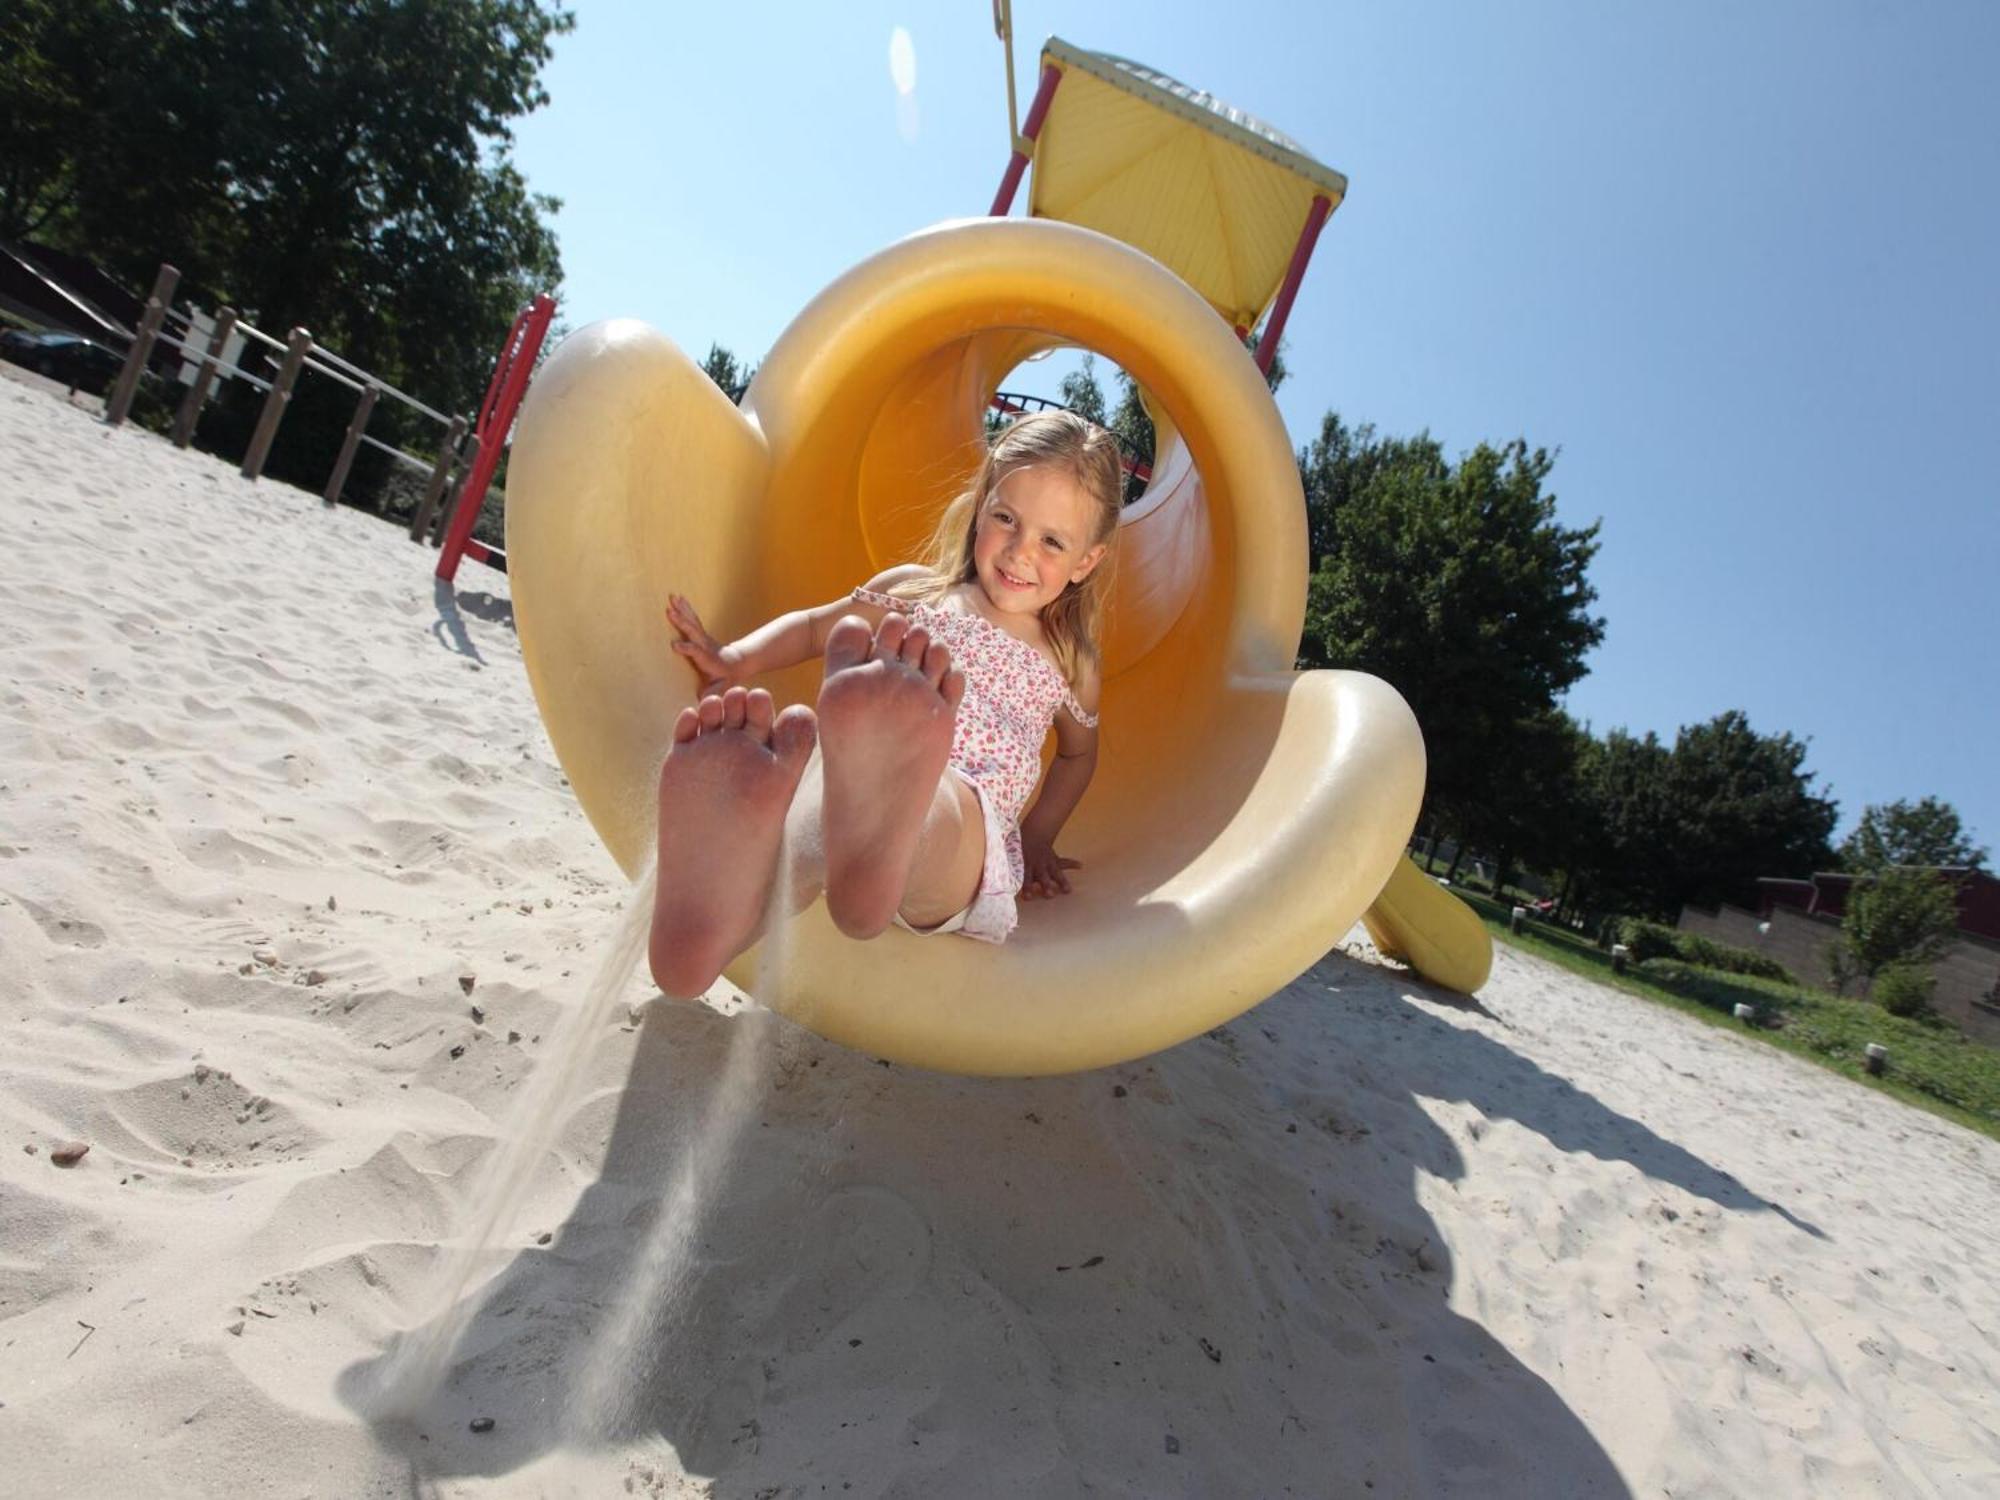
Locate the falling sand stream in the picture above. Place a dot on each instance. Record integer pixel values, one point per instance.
(417, 1364)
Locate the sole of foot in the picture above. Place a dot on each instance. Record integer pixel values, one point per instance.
(886, 712)
(724, 790)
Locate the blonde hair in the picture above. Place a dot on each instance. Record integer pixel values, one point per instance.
(1072, 620)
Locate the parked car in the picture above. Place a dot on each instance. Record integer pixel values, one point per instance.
(67, 357)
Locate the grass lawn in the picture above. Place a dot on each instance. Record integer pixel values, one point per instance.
(1930, 1064)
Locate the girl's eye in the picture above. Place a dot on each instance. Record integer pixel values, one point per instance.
(1052, 544)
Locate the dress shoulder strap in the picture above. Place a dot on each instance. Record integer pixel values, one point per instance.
(873, 596)
(1076, 711)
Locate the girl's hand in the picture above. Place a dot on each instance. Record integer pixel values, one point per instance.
(1045, 870)
(714, 663)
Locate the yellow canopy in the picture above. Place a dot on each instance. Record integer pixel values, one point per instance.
(1214, 194)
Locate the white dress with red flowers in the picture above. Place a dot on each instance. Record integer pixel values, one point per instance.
(1012, 695)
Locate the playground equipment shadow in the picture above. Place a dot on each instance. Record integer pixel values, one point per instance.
(922, 1283)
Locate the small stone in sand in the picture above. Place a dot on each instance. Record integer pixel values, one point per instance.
(317, 976)
(1118, 1091)
(235, 1328)
(481, 1424)
(69, 1153)
(331, 904)
(544, 1237)
(513, 1036)
(478, 1015)
(31, 1148)
(467, 981)
(266, 957)
(1173, 1443)
(201, 1072)
(459, 1050)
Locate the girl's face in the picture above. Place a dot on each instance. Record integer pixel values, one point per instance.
(1033, 539)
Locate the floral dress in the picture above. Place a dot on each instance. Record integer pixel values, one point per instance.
(1012, 695)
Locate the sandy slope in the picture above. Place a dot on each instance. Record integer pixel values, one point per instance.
(265, 798)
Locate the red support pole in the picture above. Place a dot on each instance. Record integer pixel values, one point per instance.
(1316, 216)
(1003, 200)
(503, 399)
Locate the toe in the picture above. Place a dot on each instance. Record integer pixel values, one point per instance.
(916, 641)
(953, 686)
(936, 662)
(710, 712)
(794, 735)
(889, 636)
(847, 644)
(758, 712)
(687, 726)
(733, 703)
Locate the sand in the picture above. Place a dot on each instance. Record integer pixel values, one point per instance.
(275, 816)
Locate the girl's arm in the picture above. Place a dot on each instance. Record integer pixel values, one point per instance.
(783, 642)
(1063, 787)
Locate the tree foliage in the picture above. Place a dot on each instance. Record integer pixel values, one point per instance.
(1457, 585)
(339, 165)
(1900, 916)
(727, 371)
(1928, 833)
(1082, 394)
(1739, 805)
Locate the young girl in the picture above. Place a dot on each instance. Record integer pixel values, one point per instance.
(942, 681)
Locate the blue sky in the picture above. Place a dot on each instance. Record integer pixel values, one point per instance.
(1738, 263)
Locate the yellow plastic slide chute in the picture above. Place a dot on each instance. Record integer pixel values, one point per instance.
(1243, 814)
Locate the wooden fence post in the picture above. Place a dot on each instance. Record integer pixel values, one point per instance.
(358, 424)
(127, 384)
(191, 404)
(296, 348)
(440, 476)
(445, 512)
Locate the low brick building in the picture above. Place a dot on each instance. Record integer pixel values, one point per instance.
(1798, 922)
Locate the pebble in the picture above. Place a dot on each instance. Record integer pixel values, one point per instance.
(69, 1153)
(235, 1328)
(265, 957)
(31, 1148)
(331, 904)
(317, 976)
(459, 1050)
(481, 1424)
(478, 1015)
(544, 1237)
(467, 981)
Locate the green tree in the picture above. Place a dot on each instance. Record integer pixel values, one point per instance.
(1457, 585)
(340, 165)
(1899, 917)
(1082, 394)
(1927, 833)
(727, 371)
(1739, 805)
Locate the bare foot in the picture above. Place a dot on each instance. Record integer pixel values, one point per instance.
(723, 793)
(886, 711)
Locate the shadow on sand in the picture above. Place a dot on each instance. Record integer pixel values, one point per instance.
(1203, 1273)
(452, 608)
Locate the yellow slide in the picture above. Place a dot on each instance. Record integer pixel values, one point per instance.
(1243, 814)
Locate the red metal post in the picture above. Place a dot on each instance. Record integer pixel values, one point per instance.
(1003, 200)
(503, 399)
(1267, 347)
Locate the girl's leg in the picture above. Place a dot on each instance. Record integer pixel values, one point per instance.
(897, 832)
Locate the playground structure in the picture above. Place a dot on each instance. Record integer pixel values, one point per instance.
(1244, 815)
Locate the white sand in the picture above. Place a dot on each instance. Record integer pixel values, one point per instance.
(1365, 1240)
